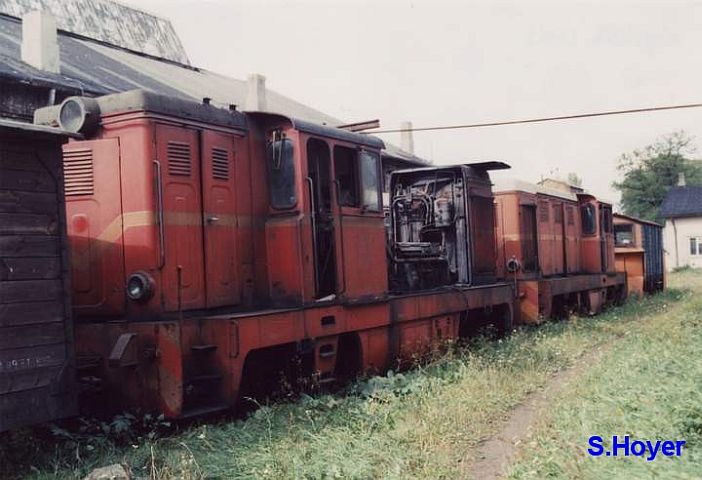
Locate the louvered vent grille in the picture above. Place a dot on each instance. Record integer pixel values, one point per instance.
(78, 172)
(558, 214)
(179, 162)
(220, 164)
(543, 211)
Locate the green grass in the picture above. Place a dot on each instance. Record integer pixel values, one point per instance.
(648, 387)
(424, 423)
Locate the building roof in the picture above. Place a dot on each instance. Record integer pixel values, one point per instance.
(22, 128)
(110, 22)
(636, 219)
(682, 202)
(94, 68)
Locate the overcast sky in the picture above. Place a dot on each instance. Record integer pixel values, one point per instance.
(438, 63)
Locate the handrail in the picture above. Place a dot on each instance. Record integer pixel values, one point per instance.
(313, 220)
(158, 188)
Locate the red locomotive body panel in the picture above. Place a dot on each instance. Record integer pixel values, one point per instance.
(95, 225)
(152, 209)
(227, 245)
(517, 234)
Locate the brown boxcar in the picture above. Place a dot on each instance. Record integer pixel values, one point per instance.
(639, 252)
(250, 245)
(36, 359)
(558, 247)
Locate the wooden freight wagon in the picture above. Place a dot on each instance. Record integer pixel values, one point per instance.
(639, 252)
(36, 359)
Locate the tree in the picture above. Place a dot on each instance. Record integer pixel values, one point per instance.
(575, 180)
(649, 173)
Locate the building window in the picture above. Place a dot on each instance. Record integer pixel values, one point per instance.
(696, 246)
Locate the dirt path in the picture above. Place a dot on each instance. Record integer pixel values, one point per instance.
(496, 453)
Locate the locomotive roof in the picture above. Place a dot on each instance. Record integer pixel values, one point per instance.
(275, 119)
(143, 100)
(337, 133)
(516, 185)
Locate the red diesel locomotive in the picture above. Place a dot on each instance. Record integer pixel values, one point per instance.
(216, 254)
(558, 247)
(213, 249)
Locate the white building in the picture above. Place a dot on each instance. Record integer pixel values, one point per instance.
(682, 235)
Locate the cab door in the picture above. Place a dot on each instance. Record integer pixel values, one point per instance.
(319, 184)
(360, 232)
(183, 270)
(219, 152)
(606, 239)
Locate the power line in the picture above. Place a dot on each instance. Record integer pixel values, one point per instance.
(538, 120)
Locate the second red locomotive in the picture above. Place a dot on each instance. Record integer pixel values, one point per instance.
(558, 247)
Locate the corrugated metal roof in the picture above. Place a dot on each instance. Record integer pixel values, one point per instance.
(682, 202)
(108, 21)
(93, 68)
(7, 124)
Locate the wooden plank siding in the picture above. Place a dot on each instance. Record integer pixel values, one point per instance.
(37, 370)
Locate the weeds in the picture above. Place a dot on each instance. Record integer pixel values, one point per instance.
(421, 423)
(648, 387)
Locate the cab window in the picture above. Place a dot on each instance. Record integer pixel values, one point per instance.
(607, 223)
(346, 171)
(370, 181)
(281, 173)
(587, 213)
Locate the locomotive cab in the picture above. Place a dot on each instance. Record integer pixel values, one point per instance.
(442, 226)
(324, 223)
(597, 247)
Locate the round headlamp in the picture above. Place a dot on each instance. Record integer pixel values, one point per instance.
(140, 286)
(513, 265)
(79, 115)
